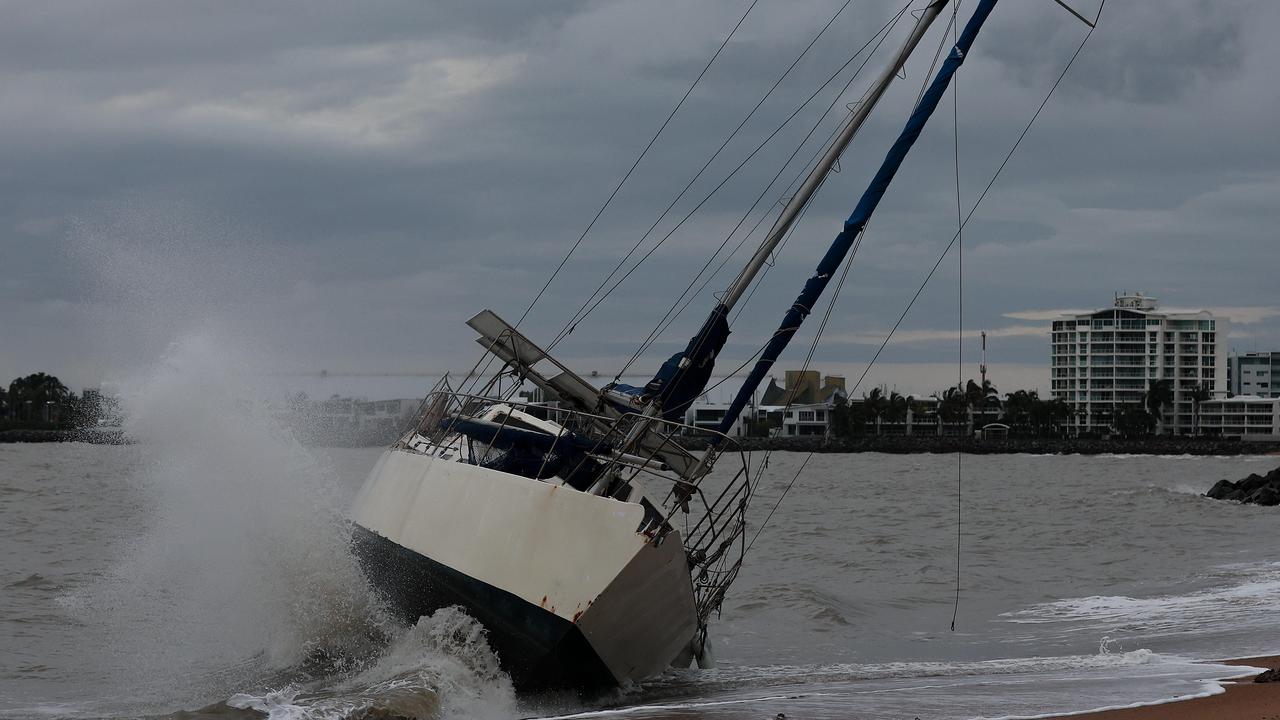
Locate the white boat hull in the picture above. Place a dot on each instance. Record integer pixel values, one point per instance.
(571, 592)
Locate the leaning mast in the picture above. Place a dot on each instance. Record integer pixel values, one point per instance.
(682, 378)
(820, 171)
(857, 221)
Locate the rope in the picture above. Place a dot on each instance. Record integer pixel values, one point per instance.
(982, 196)
(593, 302)
(813, 347)
(955, 128)
(673, 313)
(658, 328)
(487, 359)
(716, 154)
(635, 164)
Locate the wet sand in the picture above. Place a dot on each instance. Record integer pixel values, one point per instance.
(1243, 700)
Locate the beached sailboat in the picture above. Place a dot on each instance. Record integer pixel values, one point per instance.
(592, 545)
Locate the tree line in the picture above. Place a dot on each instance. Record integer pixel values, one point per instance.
(977, 404)
(42, 401)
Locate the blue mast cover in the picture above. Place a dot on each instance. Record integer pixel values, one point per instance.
(858, 220)
(682, 378)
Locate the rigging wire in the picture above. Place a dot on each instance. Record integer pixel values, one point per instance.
(937, 52)
(473, 377)
(955, 129)
(673, 313)
(635, 164)
(982, 196)
(593, 302)
(813, 347)
(720, 149)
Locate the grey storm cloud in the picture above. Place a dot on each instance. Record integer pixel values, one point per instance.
(343, 184)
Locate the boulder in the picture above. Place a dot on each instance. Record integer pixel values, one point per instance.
(1264, 496)
(1222, 490)
(1255, 489)
(1252, 483)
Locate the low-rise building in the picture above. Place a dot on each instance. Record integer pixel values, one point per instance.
(1248, 417)
(806, 419)
(346, 420)
(801, 406)
(708, 416)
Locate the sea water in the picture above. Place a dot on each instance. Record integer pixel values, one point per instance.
(205, 572)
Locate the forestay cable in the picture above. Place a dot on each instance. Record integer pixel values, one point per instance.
(981, 196)
(686, 297)
(955, 128)
(482, 365)
(969, 216)
(596, 298)
(632, 169)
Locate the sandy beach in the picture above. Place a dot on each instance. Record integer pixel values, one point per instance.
(1243, 700)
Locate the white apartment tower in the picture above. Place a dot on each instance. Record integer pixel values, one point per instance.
(1106, 359)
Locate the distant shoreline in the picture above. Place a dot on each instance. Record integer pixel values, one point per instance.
(96, 436)
(891, 444)
(901, 444)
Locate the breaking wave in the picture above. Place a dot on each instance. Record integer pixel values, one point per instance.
(242, 587)
(441, 667)
(1239, 594)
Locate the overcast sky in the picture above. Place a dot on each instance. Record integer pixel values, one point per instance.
(339, 186)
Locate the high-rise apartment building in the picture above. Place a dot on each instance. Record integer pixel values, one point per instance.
(1255, 373)
(1109, 358)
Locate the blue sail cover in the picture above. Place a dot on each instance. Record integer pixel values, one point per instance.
(683, 377)
(853, 227)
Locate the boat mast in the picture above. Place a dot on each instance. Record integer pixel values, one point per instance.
(682, 378)
(857, 221)
(811, 183)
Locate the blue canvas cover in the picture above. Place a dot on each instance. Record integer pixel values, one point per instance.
(684, 376)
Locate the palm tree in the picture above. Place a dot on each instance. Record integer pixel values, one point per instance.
(876, 404)
(974, 394)
(1018, 408)
(1057, 414)
(1159, 394)
(896, 407)
(29, 394)
(982, 398)
(952, 404)
(1200, 394)
(990, 395)
(1133, 420)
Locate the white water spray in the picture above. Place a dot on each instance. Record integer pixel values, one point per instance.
(241, 577)
(244, 567)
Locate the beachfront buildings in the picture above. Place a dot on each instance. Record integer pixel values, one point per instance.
(801, 406)
(348, 421)
(1247, 417)
(1255, 373)
(1109, 358)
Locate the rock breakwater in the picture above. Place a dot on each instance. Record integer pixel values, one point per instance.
(1255, 489)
